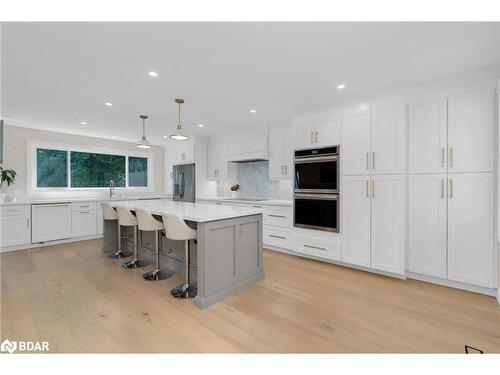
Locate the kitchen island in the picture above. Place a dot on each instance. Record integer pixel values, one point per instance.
(225, 257)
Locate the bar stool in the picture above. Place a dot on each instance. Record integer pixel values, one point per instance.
(177, 229)
(109, 213)
(126, 218)
(146, 222)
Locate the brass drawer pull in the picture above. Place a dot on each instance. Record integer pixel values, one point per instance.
(316, 247)
(280, 216)
(274, 236)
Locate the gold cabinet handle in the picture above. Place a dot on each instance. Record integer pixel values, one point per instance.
(316, 137)
(442, 188)
(373, 160)
(451, 188)
(442, 157)
(373, 188)
(367, 160)
(312, 134)
(280, 216)
(316, 247)
(450, 157)
(367, 188)
(280, 237)
(286, 169)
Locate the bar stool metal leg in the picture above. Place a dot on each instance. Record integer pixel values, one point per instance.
(136, 262)
(157, 274)
(120, 253)
(185, 290)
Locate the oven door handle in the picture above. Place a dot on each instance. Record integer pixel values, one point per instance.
(320, 197)
(312, 159)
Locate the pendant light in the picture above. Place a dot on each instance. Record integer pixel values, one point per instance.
(179, 134)
(143, 143)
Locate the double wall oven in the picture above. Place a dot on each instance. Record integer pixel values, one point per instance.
(316, 188)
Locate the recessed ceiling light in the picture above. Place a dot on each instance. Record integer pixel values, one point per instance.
(83, 123)
(253, 111)
(113, 136)
(165, 136)
(201, 125)
(108, 104)
(341, 86)
(153, 74)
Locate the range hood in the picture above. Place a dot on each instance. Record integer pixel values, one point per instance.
(247, 149)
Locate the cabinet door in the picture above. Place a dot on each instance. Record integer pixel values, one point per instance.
(15, 230)
(328, 132)
(356, 220)
(470, 228)
(427, 224)
(304, 133)
(388, 223)
(471, 132)
(51, 222)
(84, 223)
(355, 150)
(388, 140)
(99, 222)
(212, 159)
(277, 146)
(427, 136)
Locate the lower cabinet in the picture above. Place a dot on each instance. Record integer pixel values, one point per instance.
(15, 226)
(99, 221)
(277, 236)
(84, 223)
(50, 222)
(318, 247)
(373, 210)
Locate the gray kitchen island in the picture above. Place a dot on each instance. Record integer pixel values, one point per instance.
(225, 257)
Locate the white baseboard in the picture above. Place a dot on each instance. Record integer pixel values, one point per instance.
(48, 243)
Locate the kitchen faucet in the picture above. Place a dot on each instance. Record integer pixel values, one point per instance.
(111, 188)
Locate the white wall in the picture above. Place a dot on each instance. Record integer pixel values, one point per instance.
(15, 144)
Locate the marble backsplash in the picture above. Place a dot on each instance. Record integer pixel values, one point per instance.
(253, 178)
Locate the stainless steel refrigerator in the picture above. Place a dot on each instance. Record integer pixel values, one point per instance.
(184, 185)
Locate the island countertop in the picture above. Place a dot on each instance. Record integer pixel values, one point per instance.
(197, 212)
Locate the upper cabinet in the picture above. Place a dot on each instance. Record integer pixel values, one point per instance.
(280, 154)
(182, 152)
(452, 134)
(318, 131)
(373, 138)
(247, 147)
(216, 163)
(471, 131)
(427, 134)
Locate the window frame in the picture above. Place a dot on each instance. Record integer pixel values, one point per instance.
(31, 159)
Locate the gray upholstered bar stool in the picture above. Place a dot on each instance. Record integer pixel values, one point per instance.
(177, 229)
(146, 222)
(126, 218)
(109, 213)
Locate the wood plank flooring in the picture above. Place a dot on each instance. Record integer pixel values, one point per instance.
(80, 301)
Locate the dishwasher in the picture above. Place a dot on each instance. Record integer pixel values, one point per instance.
(50, 222)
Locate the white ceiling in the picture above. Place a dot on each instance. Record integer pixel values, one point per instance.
(55, 75)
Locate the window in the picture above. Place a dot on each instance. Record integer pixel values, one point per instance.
(62, 167)
(51, 168)
(137, 171)
(89, 170)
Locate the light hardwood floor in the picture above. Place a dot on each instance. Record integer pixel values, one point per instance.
(81, 301)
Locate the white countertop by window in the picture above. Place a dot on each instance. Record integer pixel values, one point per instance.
(76, 200)
(198, 212)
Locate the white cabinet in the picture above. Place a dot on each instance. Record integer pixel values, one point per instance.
(427, 224)
(277, 236)
(216, 163)
(84, 223)
(373, 210)
(182, 151)
(428, 136)
(355, 150)
(356, 220)
(471, 131)
(388, 223)
(470, 228)
(51, 222)
(317, 247)
(318, 131)
(373, 139)
(99, 221)
(280, 154)
(15, 225)
(248, 147)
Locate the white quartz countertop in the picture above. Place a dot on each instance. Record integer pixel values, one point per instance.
(268, 202)
(198, 212)
(83, 199)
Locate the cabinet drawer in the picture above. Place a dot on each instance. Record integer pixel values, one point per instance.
(84, 223)
(280, 216)
(83, 206)
(15, 210)
(276, 236)
(318, 247)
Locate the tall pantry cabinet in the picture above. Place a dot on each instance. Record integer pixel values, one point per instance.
(451, 188)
